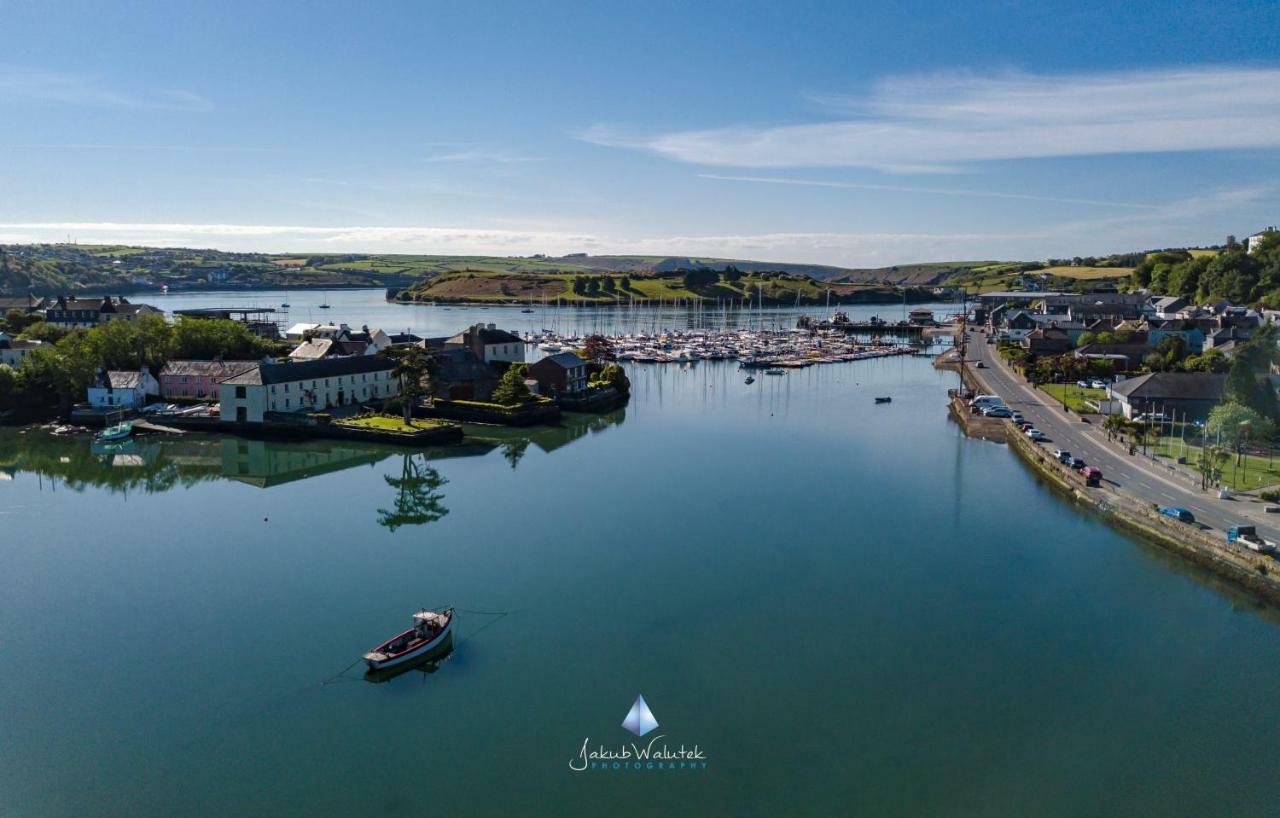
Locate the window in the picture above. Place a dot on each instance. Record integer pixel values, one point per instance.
(239, 391)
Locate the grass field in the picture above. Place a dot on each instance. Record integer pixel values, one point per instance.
(1253, 472)
(1088, 273)
(1075, 395)
(386, 423)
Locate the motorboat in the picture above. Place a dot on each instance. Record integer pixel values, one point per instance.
(884, 400)
(117, 432)
(430, 630)
(749, 380)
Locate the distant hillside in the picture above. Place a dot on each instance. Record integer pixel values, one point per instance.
(731, 285)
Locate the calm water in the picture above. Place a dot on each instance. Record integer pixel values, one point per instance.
(849, 608)
(369, 307)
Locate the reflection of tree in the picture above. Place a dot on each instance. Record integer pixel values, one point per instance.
(417, 500)
(514, 450)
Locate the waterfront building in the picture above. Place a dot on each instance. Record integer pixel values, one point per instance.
(490, 343)
(461, 374)
(563, 373)
(198, 379)
(123, 390)
(13, 350)
(306, 386)
(74, 313)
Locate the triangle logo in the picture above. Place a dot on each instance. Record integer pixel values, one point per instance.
(640, 718)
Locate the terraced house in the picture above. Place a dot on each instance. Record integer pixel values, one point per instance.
(198, 379)
(86, 313)
(306, 386)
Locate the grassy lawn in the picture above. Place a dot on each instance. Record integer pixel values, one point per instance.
(1088, 273)
(1075, 395)
(386, 423)
(1252, 472)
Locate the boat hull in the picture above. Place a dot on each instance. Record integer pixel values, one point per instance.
(415, 653)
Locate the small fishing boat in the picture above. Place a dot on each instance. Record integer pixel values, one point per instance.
(430, 630)
(749, 380)
(526, 310)
(117, 432)
(774, 372)
(884, 400)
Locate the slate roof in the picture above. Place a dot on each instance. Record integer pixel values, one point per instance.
(567, 360)
(1173, 386)
(216, 369)
(124, 380)
(265, 374)
(460, 364)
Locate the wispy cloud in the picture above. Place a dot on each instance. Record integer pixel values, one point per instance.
(1207, 217)
(477, 153)
(38, 85)
(937, 122)
(942, 191)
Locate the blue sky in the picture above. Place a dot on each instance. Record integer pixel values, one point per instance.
(854, 134)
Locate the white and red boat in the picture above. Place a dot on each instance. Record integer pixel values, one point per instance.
(431, 630)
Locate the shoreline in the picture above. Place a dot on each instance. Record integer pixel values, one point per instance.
(1247, 571)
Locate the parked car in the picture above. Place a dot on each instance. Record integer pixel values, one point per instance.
(980, 365)
(1077, 464)
(1024, 425)
(1247, 536)
(1092, 475)
(1082, 384)
(1097, 383)
(1017, 417)
(1180, 514)
(1035, 434)
(997, 412)
(1063, 455)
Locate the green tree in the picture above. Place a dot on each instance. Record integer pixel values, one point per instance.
(205, 339)
(511, 389)
(413, 369)
(1211, 360)
(16, 321)
(597, 348)
(1235, 425)
(613, 375)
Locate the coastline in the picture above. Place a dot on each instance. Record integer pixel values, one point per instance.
(1245, 570)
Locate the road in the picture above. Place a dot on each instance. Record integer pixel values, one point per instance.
(1135, 474)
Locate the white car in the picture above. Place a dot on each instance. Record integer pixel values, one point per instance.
(1035, 434)
(1017, 417)
(1097, 384)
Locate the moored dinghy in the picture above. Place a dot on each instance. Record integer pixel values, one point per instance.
(884, 400)
(430, 630)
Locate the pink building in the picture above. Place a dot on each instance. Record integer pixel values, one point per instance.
(198, 379)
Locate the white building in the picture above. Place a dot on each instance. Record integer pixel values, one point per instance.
(1255, 241)
(12, 350)
(306, 386)
(490, 343)
(123, 390)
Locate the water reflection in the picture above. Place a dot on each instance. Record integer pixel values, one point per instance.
(418, 500)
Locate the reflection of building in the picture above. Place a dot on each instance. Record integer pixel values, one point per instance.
(263, 464)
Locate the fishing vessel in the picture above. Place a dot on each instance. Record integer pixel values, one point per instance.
(430, 630)
(117, 432)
